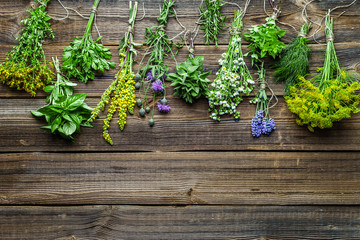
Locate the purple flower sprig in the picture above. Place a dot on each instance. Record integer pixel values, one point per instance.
(262, 124)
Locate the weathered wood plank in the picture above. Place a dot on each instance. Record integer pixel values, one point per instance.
(347, 53)
(113, 16)
(231, 178)
(187, 127)
(201, 222)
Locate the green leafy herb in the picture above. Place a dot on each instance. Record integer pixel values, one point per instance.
(233, 80)
(26, 67)
(264, 38)
(212, 20)
(294, 60)
(84, 55)
(327, 97)
(190, 81)
(122, 90)
(65, 113)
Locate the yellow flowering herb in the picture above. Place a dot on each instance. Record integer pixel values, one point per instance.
(327, 97)
(26, 67)
(121, 92)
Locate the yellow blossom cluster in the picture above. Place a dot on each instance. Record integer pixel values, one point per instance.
(321, 106)
(121, 92)
(24, 77)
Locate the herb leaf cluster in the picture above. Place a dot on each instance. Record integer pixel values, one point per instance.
(190, 81)
(64, 113)
(26, 67)
(294, 60)
(212, 20)
(264, 40)
(84, 55)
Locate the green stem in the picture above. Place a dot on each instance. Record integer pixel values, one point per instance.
(92, 17)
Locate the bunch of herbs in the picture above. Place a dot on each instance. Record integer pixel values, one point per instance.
(122, 90)
(294, 60)
(64, 113)
(190, 81)
(84, 55)
(26, 67)
(327, 97)
(265, 38)
(233, 79)
(212, 20)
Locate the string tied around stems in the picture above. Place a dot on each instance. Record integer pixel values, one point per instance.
(234, 31)
(94, 9)
(301, 34)
(330, 38)
(131, 29)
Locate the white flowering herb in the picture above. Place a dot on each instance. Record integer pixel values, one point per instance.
(233, 79)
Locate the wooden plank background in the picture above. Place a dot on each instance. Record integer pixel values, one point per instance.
(188, 177)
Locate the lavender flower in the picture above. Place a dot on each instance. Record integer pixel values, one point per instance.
(261, 125)
(157, 86)
(163, 108)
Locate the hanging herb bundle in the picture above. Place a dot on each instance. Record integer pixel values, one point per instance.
(265, 38)
(65, 112)
(262, 123)
(233, 79)
(212, 20)
(154, 73)
(84, 55)
(122, 89)
(190, 81)
(26, 67)
(327, 97)
(294, 60)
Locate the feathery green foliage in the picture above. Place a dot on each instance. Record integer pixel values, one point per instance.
(294, 60)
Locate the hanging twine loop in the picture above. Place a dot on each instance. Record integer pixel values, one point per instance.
(161, 27)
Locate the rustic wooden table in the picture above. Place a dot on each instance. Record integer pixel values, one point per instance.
(188, 177)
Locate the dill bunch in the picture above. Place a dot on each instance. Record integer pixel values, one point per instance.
(294, 60)
(26, 67)
(84, 55)
(265, 38)
(233, 79)
(121, 92)
(327, 97)
(212, 21)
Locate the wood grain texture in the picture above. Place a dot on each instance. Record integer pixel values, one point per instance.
(200, 222)
(228, 178)
(186, 128)
(188, 177)
(113, 16)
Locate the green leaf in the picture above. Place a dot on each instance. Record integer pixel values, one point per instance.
(49, 88)
(76, 101)
(55, 124)
(69, 128)
(37, 114)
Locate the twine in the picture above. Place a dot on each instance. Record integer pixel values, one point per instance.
(94, 9)
(262, 86)
(301, 34)
(131, 29)
(274, 16)
(330, 38)
(234, 31)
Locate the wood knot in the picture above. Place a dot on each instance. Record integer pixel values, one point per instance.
(189, 192)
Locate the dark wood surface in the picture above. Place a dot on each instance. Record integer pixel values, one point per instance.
(188, 177)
